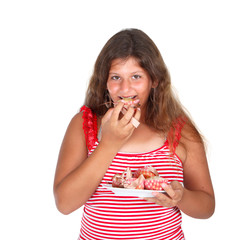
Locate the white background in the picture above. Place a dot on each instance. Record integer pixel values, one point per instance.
(47, 52)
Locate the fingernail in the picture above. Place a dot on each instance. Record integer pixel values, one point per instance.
(164, 185)
(154, 193)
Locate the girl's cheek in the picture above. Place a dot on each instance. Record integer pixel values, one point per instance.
(112, 89)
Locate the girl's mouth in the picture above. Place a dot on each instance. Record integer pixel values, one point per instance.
(130, 100)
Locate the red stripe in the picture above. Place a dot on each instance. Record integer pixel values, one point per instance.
(116, 233)
(110, 217)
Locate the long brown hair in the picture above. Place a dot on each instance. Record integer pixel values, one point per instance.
(163, 110)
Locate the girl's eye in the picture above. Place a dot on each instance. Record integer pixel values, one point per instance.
(115, 77)
(136, 76)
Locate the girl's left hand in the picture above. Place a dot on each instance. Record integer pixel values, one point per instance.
(173, 195)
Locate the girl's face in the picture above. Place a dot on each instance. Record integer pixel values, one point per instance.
(127, 79)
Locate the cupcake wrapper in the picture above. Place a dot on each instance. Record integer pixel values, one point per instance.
(144, 178)
(135, 183)
(154, 183)
(147, 172)
(117, 181)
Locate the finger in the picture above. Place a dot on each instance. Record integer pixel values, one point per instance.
(117, 110)
(107, 115)
(176, 185)
(150, 199)
(169, 190)
(159, 198)
(127, 116)
(135, 120)
(137, 114)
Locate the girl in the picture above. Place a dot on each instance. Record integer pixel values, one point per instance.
(101, 141)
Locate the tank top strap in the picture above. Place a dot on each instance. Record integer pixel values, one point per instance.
(89, 126)
(175, 131)
(179, 124)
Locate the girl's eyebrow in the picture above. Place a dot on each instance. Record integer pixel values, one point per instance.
(113, 73)
(137, 72)
(130, 73)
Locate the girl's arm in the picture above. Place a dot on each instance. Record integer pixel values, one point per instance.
(77, 175)
(196, 198)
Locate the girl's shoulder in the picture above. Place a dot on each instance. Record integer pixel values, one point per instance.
(76, 123)
(190, 141)
(189, 133)
(75, 130)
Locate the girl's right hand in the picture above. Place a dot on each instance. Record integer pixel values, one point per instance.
(117, 131)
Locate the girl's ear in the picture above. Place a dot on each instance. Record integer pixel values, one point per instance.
(154, 84)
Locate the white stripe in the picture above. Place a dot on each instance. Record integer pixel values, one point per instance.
(117, 208)
(105, 230)
(131, 223)
(123, 235)
(133, 216)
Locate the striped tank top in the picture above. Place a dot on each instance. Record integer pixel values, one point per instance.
(107, 216)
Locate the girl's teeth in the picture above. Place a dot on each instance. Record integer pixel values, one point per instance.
(126, 98)
(130, 102)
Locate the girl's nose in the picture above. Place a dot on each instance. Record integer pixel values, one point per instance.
(125, 85)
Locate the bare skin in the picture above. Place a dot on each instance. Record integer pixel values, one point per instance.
(73, 176)
(78, 176)
(196, 198)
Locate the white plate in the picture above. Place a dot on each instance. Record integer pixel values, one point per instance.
(130, 192)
